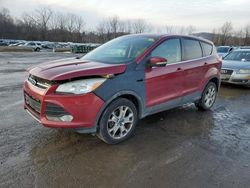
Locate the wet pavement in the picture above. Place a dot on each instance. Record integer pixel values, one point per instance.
(182, 147)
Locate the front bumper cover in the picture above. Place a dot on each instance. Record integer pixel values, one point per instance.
(83, 108)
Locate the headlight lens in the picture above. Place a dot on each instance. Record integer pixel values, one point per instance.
(244, 71)
(80, 86)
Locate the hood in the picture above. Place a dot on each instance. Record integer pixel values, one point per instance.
(236, 64)
(73, 68)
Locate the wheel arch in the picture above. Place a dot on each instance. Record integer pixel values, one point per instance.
(212, 75)
(215, 80)
(130, 95)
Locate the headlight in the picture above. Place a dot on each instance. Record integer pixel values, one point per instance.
(80, 86)
(244, 71)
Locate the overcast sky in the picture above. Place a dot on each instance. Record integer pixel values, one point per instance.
(205, 15)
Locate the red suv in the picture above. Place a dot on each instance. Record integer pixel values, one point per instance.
(109, 89)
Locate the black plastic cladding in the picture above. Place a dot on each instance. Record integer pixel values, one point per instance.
(131, 82)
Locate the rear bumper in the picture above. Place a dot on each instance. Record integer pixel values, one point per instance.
(83, 108)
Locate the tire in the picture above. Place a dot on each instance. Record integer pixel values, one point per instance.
(118, 121)
(37, 49)
(208, 97)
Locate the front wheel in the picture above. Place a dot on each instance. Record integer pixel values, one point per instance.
(208, 97)
(118, 121)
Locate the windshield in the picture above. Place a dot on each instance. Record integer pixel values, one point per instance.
(121, 50)
(238, 56)
(222, 49)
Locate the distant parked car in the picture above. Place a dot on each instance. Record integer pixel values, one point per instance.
(17, 44)
(35, 47)
(224, 50)
(3, 43)
(48, 45)
(83, 48)
(236, 67)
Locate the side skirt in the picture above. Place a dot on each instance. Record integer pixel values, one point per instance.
(180, 101)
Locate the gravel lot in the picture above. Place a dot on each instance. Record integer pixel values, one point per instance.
(178, 148)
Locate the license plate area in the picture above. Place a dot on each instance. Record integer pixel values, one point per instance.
(34, 104)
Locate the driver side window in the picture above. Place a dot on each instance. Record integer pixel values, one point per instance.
(170, 50)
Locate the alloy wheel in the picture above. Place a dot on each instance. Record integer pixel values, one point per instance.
(210, 96)
(120, 122)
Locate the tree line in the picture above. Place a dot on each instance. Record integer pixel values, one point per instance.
(226, 35)
(44, 24)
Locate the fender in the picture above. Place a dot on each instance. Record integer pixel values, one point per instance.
(141, 110)
(211, 73)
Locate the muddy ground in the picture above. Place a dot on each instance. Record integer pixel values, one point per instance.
(182, 147)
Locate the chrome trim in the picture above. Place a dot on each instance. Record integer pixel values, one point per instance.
(43, 85)
(36, 83)
(33, 116)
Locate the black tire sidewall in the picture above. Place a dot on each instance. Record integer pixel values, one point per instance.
(102, 131)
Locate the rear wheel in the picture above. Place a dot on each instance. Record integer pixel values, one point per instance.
(118, 121)
(208, 97)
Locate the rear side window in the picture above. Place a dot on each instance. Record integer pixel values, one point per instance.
(170, 50)
(191, 49)
(207, 48)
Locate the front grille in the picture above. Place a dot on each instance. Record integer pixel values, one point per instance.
(54, 110)
(33, 103)
(227, 71)
(226, 74)
(38, 82)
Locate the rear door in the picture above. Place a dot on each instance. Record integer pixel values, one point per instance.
(164, 84)
(194, 65)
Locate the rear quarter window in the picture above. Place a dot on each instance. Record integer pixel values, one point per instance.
(191, 49)
(207, 48)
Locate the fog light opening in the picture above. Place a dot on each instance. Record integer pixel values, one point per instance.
(64, 118)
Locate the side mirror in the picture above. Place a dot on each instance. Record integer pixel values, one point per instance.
(157, 62)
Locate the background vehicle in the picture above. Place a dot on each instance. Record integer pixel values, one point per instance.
(35, 46)
(224, 50)
(17, 44)
(236, 67)
(109, 89)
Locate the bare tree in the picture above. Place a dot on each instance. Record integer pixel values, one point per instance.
(169, 29)
(226, 33)
(79, 28)
(215, 37)
(247, 35)
(70, 25)
(140, 26)
(41, 18)
(114, 23)
(7, 25)
(45, 24)
(103, 31)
